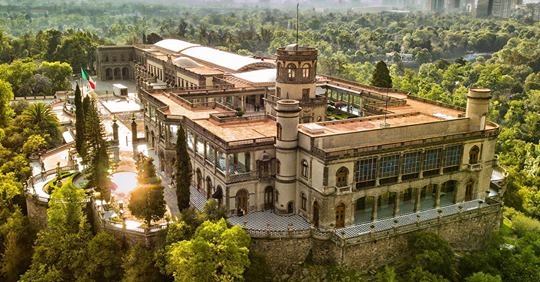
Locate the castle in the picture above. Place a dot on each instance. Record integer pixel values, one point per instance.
(261, 140)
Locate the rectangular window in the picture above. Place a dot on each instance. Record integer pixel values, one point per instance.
(210, 154)
(220, 162)
(190, 140)
(367, 170)
(432, 159)
(200, 147)
(388, 166)
(411, 163)
(452, 155)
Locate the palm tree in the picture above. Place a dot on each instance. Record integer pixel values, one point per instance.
(40, 119)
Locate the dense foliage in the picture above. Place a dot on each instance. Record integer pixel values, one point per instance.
(147, 201)
(427, 55)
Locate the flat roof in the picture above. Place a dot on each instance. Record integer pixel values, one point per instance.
(239, 131)
(366, 123)
(175, 108)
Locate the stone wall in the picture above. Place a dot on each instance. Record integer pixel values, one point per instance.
(467, 231)
(282, 255)
(37, 212)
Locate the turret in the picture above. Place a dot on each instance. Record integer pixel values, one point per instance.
(478, 107)
(295, 80)
(286, 147)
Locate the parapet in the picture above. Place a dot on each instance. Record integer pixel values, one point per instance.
(479, 93)
(287, 105)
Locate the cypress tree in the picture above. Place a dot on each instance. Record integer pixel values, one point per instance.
(183, 171)
(381, 76)
(79, 122)
(97, 157)
(147, 201)
(85, 109)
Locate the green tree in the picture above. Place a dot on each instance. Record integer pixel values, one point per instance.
(147, 201)
(65, 212)
(483, 277)
(6, 95)
(40, 119)
(432, 254)
(58, 73)
(104, 261)
(215, 253)
(79, 121)
(19, 237)
(183, 171)
(140, 266)
(381, 76)
(97, 157)
(35, 143)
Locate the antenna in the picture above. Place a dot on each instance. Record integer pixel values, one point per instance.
(297, 23)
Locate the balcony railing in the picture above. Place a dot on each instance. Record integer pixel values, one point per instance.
(474, 167)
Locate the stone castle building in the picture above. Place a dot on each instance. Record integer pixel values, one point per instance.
(261, 138)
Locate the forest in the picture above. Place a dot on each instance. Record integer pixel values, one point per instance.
(43, 44)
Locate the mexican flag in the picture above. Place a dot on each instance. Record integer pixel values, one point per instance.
(86, 77)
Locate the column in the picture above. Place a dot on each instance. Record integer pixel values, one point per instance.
(437, 195)
(396, 204)
(375, 207)
(134, 134)
(417, 200)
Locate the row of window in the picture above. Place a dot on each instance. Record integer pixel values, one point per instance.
(237, 163)
(409, 164)
(293, 71)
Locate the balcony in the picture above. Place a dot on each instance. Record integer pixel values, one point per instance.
(474, 167)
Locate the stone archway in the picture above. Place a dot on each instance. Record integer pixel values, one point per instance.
(208, 187)
(218, 195)
(268, 198)
(117, 73)
(108, 74)
(125, 73)
(242, 197)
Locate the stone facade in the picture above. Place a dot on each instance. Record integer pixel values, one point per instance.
(466, 231)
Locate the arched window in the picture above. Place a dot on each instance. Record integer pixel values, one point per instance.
(305, 168)
(218, 195)
(473, 155)
(279, 71)
(304, 201)
(278, 166)
(279, 131)
(342, 176)
(242, 202)
(291, 71)
(305, 70)
(290, 207)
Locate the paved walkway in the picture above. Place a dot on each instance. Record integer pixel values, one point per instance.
(386, 224)
(269, 221)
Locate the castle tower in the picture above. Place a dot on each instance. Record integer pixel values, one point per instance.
(477, 108)
(286, 145)
(295, 80)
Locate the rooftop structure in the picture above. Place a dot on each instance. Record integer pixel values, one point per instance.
(263, 135)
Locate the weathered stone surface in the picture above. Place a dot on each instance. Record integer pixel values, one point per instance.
(37, 212)
(463, 232)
